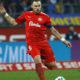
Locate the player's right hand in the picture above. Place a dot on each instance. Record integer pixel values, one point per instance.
(2, 9)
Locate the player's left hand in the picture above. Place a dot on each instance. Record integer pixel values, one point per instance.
(68, 44)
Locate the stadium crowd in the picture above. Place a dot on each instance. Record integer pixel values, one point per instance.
(16, 7)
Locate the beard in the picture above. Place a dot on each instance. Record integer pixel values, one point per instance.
(37, 11)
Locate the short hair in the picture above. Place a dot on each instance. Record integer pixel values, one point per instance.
(35, 1)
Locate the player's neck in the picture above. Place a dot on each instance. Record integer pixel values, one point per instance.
(37, 13)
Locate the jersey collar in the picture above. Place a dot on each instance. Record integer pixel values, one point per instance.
(36, 14)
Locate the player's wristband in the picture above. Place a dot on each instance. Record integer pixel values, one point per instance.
(62, 39)
(6, 14)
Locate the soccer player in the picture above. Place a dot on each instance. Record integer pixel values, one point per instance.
(36, 23)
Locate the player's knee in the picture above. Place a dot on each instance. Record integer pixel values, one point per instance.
(52, 64)
(37, 59)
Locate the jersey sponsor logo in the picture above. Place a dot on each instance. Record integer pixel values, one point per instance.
(31, 23)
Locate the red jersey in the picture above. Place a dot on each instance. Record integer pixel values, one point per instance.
(36, 25)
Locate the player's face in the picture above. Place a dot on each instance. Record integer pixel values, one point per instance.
(36, 6)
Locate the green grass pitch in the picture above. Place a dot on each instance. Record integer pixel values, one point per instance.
(73, 74)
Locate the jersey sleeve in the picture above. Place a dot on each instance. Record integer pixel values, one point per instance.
(48, 22)
(21, 18)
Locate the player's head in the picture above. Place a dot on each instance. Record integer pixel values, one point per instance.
(36, 6)
(71, 27)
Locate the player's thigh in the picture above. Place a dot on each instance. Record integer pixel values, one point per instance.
(37, 59)
(48, 54)
(33, 51)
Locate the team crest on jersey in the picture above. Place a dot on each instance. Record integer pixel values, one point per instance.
(39, 19)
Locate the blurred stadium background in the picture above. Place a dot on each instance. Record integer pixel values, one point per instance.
(16, 64)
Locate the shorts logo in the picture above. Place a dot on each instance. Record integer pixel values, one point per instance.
(30, 48)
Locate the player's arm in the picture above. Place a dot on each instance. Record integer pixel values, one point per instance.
(8, 18)
(58, 35)
(55, 32)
